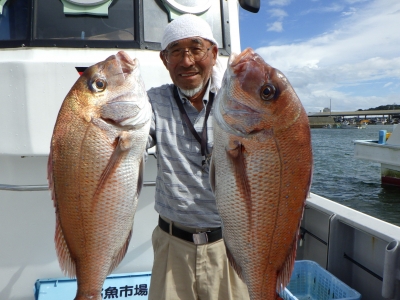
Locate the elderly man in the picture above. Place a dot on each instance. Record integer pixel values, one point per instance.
(189, 254)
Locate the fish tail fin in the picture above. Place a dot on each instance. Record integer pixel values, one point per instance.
(287, 268)
(67, 264)
(234, 265)
(121, 254)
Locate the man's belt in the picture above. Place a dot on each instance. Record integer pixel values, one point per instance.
(197, 238)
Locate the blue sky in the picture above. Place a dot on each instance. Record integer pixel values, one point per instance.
(345, 50)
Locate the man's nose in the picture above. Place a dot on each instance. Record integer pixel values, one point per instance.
(187, 58)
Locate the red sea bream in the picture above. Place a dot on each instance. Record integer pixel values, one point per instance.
(260, 171)
(95, 169)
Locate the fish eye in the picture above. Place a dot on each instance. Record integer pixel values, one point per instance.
(99, 85)
(267, 91)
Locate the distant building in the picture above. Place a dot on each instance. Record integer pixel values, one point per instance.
(326, 109)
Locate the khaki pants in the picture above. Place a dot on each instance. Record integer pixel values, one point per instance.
(184, 271)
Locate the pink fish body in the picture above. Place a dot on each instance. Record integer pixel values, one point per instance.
(260, 171)
(95, 169)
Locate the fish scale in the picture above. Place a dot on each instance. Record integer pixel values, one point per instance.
(260, 172)
(95, 170)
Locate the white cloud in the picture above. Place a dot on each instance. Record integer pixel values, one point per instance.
(350, 12)
(355, 1)
(278, 13)
(388, 84)
(343, 63)
(276, 26)
(334, 7)
(279, 2)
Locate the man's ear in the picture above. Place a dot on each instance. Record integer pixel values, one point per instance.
(214, 52)
(163, 59)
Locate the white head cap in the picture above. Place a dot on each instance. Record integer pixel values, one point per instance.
(186, 26)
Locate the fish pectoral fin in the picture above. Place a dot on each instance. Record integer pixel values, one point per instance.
(110, 167)
(67, 264)
(232, 262)
(121, 254)
(126, 139)
(234, 150)
(236, 155)
(124, 142)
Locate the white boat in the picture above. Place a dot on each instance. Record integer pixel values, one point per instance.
(382, 121)
(347, 125)
(384, 151)
(39, 62)
(362, 126)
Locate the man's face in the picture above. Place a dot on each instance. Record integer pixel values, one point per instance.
(186, 73)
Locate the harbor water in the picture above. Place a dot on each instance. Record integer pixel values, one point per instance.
(352, 182)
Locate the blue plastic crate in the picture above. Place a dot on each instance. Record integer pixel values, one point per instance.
(310, 281)
(119, 286)
(287, 295)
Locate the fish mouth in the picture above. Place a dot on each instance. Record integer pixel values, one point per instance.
(127, 64)
(248, 64)
(237, 61)
(244, 67)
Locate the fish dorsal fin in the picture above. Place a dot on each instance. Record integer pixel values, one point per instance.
(235, 266)
(67, 264)
(237, 158)
(287, 268)
(121, 254)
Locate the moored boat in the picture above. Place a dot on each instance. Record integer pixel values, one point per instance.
(386, 151)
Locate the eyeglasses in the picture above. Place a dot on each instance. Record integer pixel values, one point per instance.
(195, 54)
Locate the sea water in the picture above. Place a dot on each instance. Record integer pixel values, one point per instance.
(355, 183)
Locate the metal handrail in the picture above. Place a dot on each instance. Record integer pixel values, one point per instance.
(23, 188)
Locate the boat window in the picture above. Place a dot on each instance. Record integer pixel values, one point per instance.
(14, 20)
(50, 22)
(117, 24)
(155, 20)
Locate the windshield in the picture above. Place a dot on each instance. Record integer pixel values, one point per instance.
(14, 20)
(51, 22)
(117, 24)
